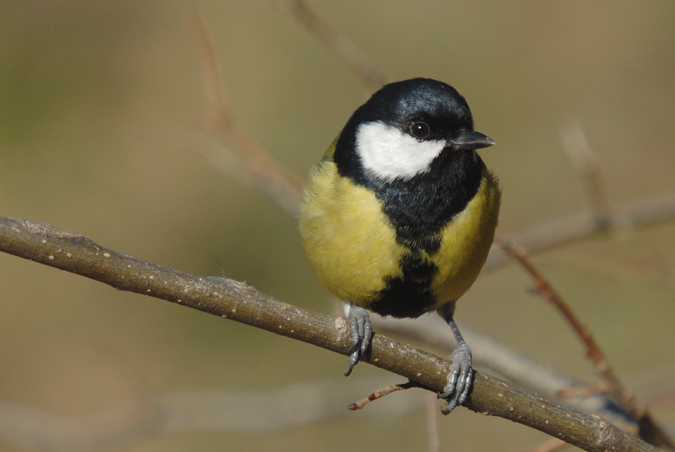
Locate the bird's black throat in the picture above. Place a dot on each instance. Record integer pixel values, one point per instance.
(421, 206)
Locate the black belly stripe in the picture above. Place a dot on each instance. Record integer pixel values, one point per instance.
(411, 294)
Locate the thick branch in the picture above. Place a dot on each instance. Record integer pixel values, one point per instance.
(237, 301)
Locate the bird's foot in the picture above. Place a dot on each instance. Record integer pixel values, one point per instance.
(460, 379)
(362, 332)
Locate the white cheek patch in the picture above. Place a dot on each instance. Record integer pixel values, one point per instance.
(389, 153)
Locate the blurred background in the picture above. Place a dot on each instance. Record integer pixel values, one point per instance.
(100, 109)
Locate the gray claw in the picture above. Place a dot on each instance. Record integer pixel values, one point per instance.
(460, 379)
(362, 332)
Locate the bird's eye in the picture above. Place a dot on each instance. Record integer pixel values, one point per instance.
(419, 130)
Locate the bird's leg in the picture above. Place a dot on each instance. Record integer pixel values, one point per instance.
(460, 378)
(362, 332)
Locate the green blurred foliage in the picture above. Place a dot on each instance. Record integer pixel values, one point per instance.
(100, 104)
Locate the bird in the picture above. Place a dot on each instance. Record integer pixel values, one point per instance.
(399, 215)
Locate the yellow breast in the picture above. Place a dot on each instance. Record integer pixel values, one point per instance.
(348, 239)
(351, 243)
(466, 242)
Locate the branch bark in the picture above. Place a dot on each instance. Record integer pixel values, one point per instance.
(237, 301)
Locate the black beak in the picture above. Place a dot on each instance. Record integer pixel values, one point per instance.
(472, 139)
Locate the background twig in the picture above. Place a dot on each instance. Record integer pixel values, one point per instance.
(339, 44)
(243, 158)
(641, 213)
(649, 430)
(576, 146)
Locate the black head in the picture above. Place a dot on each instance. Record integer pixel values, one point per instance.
(403, 128)
(419, 99)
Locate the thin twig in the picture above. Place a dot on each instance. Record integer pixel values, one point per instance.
(545, 289)
(360, 404)
(217, 112)
(648, 428)
(343, 47)
(584, 391)
(246, 159)
(578, 149)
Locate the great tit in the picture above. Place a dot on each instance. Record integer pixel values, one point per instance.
(399, 215)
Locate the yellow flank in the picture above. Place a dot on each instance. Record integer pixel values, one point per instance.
(465, 243)
(349, 240)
